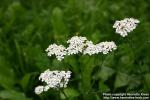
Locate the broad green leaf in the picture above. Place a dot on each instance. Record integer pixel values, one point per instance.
(134, 83)
(103, 87)
(58, 23)
(70, 92)
(108, 60)
(35, 56)
(6, 82)
(7, 79)
(72, 62)
(13, 95)
(25, 81)
(57, 64)
(87, 68)
(122, 79)
(125, 63)
(42, 61)
(96, 37)
(147, 80)
(105, 73)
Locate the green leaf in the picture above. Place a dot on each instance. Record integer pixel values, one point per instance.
(87, 68)
(35, 56)
(122, 79)
(109, 60)
(103, 87)
(25, 81)
(6, 74)
(147, 79)
(134, 83)
(57, 64)
(42, 61)
(72, 61)
(6, 82)
(58, 22)
(105, 73)
(95, 37)
(13, 95)
(70, 92)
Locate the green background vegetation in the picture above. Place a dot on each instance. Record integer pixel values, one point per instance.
(27, 27)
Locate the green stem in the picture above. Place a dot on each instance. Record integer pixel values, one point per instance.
(103, 59)
(19, 56)
(62, 91)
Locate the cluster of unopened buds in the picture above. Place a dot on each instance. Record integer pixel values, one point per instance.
(53, 79)
(78, 44)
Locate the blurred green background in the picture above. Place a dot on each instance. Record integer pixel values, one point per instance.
(27, 27)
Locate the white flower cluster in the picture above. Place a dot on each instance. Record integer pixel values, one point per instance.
(58, 50)
(103, 47)
(123, 27)
(53, 79)
(39, 89)
(78, 44)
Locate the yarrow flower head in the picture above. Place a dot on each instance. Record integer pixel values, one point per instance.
(76, 45)
(39, 89)
(53, 79)
(79, 44)
(102, 47)
(90, 48)
(123, 27)
(58, 50)
(106, 47)
(56, 78)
